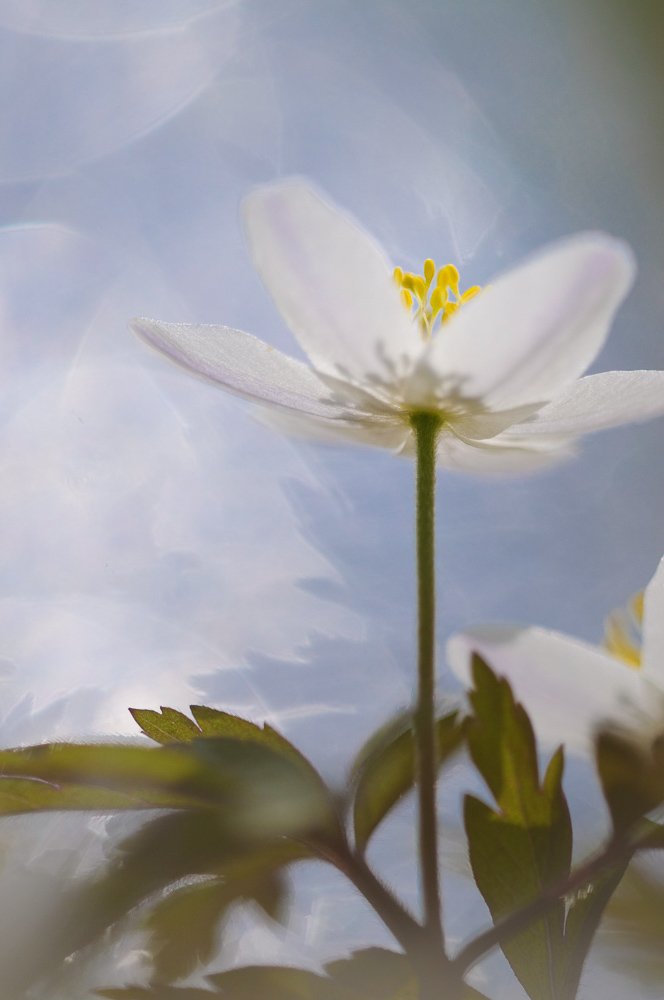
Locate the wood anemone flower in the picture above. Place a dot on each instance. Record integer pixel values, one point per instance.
(570, 688)
(502, 369)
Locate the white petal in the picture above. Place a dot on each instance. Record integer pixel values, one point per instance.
(331, 284)
(502, 454)
(652, 654)
(599, 401)
(537, 328)
(242, 364)
(568, 687)
(379, 433)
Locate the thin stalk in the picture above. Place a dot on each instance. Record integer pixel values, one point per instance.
(425, 427)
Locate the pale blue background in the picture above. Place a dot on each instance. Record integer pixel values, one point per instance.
(157, 545)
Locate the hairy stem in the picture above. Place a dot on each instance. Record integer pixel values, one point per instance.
(425, 427)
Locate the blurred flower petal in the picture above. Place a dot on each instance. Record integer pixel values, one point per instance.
(568, 687)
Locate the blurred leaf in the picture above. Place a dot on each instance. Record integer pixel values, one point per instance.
(375, 974)
(584, 913)
(631, 937)
(180, 777)
(258, 786)
(384, 770)
(278, 983)
(216, 723)
(183, 925)
(164, 851)
(22, 795)
(166, 726)
(156, 993)
(277, 793)
(632, 776)
(525, 847)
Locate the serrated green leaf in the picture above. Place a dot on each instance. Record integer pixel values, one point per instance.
(384, 770)
(166, 726)
(214, 722)
(632, 777)
(525, 847)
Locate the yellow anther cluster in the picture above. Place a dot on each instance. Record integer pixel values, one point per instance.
(430, 300)
(622, 632)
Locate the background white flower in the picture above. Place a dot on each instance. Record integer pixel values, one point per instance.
(570, 687)
(504, 372)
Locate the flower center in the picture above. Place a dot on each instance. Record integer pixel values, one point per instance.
(427, 301)
(622, 632)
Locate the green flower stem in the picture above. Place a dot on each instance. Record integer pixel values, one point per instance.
(426, 427)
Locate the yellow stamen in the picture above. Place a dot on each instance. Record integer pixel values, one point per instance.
(432, 302)
(636, 606)
(622, 632)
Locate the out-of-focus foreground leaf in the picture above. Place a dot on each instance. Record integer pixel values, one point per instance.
(525, 847)
(631, 936)
(632, 776)
(369, 974)
(384, 770)
(239, 799)
(258, 787)
(183, 925)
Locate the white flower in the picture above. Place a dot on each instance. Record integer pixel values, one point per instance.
(503, 371)
(569, 687)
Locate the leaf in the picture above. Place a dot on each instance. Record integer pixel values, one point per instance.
(385, 769)
(275, 793)
(583, 917)
(158, 993)
(166, 726)
(524, 847)
(23, 795)
(263, 791)
(278, 983)
(216, 723)
(632, 776)
(183, 925)
(375, 974)
(179, 778)
(631, 938)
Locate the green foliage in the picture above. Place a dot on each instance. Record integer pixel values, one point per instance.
(631, 938)
(166, 726)
(183, 925)
(370, 974)
(384, 770)
(24, 795)
(259, 784)
(524, 847)
(632, 776)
